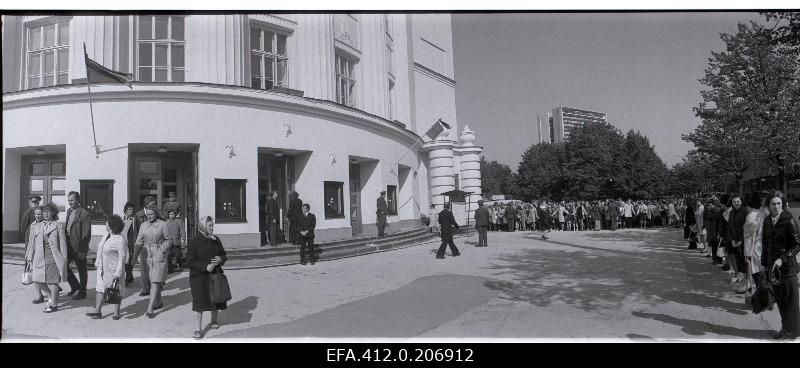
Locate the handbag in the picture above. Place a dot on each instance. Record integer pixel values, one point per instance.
(720, 250)
(764, 297)
(111, 294)
(220, 290)
(27, 274)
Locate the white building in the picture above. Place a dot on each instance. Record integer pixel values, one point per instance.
(225, 108)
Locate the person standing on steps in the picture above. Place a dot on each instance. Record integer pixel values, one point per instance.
(307, 224)
(381, 209)
(271, 215)
(294, 213)
(448, 227)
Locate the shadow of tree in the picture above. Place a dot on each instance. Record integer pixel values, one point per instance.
(700, 328)
(593, 277)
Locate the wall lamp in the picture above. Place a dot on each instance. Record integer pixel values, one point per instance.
(231, 152)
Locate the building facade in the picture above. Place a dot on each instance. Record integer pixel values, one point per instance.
(227, 108)
(555, 126)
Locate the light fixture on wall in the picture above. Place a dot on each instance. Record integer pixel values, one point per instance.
(414, 172)
(332, 157)
(231, 152)
(162, 149)
(288, 129)
(40, 151)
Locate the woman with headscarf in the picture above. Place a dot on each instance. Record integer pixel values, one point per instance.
(112, 256)
(780, 242)
(204, 254)
(154, 242)
(47, 254)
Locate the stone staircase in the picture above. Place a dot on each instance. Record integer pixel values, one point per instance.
(285, 254)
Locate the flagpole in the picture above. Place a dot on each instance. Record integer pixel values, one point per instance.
(91, 109)
(410, 148)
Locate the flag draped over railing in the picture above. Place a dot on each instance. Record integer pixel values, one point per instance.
(96, 73)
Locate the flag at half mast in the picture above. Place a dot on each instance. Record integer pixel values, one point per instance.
(436, 129)
(96, 73)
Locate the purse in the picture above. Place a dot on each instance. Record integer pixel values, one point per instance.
(220, 290)
(111, 294)
(720, 250)
(27, 274)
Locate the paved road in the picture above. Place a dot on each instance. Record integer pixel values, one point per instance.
(632, 284)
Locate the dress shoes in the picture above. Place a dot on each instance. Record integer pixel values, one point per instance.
(95, 315)
(71, 292)
(456, 254)
(439, 257)
(144, 293)
(80, 295)
(157, 307)
(39, 301)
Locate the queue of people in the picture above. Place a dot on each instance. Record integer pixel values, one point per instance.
(756, 240)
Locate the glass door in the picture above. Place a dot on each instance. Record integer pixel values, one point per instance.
(355, 199)
(146, 180)
(44, 176)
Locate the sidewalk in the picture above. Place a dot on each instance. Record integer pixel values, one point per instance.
(631, 284)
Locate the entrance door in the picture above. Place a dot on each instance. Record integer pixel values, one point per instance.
(355, 199)
(275, 173)
(158, 175)
(146, 180)
(44, 176)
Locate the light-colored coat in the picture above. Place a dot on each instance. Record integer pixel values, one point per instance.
(57, 237)
(112, 255)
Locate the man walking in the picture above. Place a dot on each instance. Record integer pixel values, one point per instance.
(79, 233)
(381, 210)
(294, 213)
(482, 223)
(306, 225)
(448, 224)
(271, 217)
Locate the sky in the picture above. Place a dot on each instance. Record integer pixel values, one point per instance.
(641, 69)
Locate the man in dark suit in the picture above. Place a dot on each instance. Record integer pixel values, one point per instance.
(448, 226)
(482, 223)
(613, 213)
(511, 217)
(381, 209)
(271, 215)
(306, 225)
(294, 213)
(79, 233)
(28, 218)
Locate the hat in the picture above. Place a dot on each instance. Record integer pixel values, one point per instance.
(35, 197)
(171, 194)
(383, 192)
(480, 201)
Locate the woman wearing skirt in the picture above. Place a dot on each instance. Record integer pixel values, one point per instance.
(47, 250)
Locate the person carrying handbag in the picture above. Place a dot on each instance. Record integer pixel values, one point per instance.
(205, 256)
(112, 256)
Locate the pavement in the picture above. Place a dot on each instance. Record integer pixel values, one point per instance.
(633, 285)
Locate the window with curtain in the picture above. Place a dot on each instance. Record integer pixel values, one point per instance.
(269, 60)
(161, 48)
(47, 54)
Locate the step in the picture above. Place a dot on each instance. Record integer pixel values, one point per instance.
(356, 240)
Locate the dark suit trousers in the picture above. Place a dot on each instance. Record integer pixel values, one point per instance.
(307, 249)
(272, 229)
(80, 264)
(294, 230)
(381, 223)
(447, 240)
(786, 296)
(614, 222)
(482, 235)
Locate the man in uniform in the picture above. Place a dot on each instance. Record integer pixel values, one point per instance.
(613, 213)
(448, 224)
(511, 217)
(382, 208)
(482, 223)
(173, 205)
(28, 218)
(79, 233)
(271, 216)
(294, 213)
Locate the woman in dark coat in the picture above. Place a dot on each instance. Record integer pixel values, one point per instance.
(204, 253)
(780, 244)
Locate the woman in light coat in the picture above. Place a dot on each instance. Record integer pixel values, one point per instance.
(112, 256)
(47, 253)
(154, 241)
(433, 219)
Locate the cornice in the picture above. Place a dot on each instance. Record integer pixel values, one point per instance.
(433, 74)
(208, 93)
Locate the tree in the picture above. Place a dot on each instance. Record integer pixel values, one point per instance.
(593, 161)
(786, 29)
(750, 108)
(695, 173)
(495, 178)
(644, 174)
(541, 173)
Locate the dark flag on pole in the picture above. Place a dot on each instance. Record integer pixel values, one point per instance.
(96, 73)
(436, 129)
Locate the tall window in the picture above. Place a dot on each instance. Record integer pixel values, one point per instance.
(230, 201)
(334, 199)
(391, 199)
(97, 196)
(162, 48)
(345, 80)
(268, 59)
(47, 54)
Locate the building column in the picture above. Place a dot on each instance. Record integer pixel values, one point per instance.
(469, 156)
(440, 166)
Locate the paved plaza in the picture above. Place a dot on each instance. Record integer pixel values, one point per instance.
(628, 284)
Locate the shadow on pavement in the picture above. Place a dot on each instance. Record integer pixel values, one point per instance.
(239, 312)
(592, 278)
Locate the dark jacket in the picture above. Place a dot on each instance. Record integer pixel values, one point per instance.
(712, 219)
(308, 223)
(482, 216)
(381, 208)
(781, 240)
(295, 209)
(737, 225)
(25, 224)
(613, 209)
(690, 217)
(447, 223)
(271, 210)
(511, 213)
(596, 213)
(80, 233)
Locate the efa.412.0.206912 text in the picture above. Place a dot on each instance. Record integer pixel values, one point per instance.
(400, 355)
